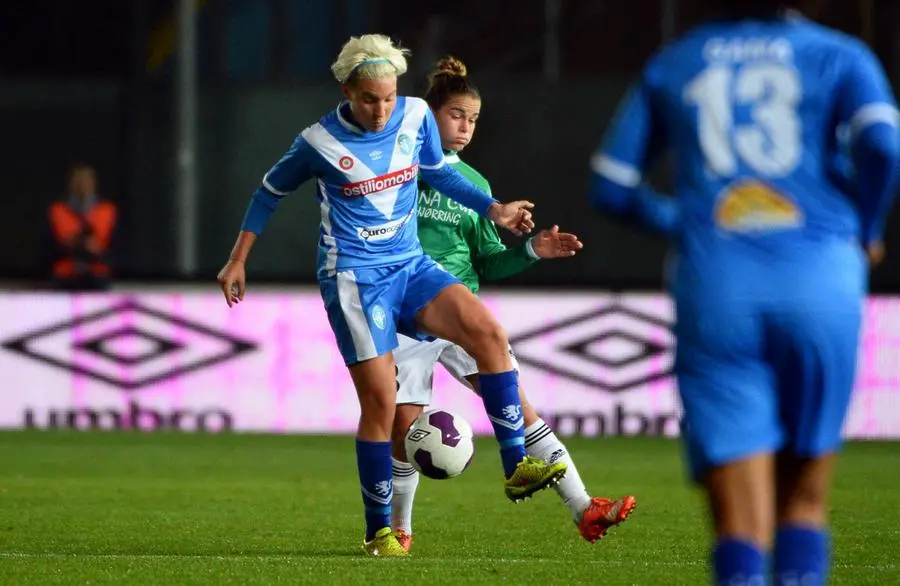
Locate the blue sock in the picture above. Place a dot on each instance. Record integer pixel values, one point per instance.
(738, 563)
(374, 462)
(801, 556)
(500, 393)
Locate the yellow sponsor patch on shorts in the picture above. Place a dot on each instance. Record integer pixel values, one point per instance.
(749, 205)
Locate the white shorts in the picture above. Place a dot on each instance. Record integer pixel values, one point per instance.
(415, 367)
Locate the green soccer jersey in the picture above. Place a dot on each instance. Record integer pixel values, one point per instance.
(463, 242)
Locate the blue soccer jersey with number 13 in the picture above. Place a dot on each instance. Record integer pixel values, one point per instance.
(769, 275)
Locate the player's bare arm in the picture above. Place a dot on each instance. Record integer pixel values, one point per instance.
(232, 278)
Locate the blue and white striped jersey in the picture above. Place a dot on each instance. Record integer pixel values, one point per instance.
(366, 183)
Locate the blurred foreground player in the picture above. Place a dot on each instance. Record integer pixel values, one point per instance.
(374, 278)
(770, 273)
(470, 248)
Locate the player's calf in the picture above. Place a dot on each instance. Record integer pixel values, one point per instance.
(802, 489)
(405, 476)
(742, 500)
(542, 443)
(802, 542)
(593, 516)
(376, 389)
(404, 415)
(374, 384)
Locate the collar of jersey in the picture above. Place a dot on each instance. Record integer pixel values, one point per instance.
(352, 127)
(451, 156)
(346, 123)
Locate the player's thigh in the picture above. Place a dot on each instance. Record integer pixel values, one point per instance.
(814, 354)
(363, 307)
(727, 389)
(437, 304)
(415, 361)
(457, 315)
(426, 281)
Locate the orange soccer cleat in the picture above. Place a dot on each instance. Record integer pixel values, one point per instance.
(404, 538)
(602, 514)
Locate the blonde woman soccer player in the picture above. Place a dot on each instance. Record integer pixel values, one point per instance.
(470, 248)
(375, 280)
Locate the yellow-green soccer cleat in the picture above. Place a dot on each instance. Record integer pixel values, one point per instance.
(385, 545)
(532, 475)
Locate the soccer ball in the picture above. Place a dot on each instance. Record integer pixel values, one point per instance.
(439, 444)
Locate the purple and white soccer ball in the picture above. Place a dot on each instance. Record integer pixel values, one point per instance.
(439, 444)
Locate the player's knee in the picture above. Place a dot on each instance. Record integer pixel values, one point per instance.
(404, 416)
(377, 406)
(486, 338)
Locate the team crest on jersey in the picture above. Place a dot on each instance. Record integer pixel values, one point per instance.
(750, 205)
(378, 317)
(405, 144)
(346, 163)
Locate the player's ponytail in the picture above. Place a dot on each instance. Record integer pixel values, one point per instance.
(449, 78)
(369, 57)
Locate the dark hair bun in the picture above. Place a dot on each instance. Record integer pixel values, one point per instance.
(450, 66)
(448, 78)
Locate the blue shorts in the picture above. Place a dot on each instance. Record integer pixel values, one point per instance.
(765, 362)
(367, 307)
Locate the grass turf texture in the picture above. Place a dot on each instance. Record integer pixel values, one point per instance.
(114, 508)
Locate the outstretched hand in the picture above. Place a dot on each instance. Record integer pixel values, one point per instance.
(233, 281)
(555, 244)
(515, 216)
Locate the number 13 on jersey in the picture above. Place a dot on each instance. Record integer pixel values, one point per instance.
(770, 143)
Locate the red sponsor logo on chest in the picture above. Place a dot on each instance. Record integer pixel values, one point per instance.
(380, 183)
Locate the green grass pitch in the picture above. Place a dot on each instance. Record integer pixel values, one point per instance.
(129, 508)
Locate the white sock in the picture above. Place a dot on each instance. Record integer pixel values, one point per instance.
(541, 442)
(406, 480)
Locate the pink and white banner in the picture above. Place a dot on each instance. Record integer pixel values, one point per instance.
(591, 363)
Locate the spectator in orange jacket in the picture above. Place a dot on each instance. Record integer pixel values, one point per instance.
(82, 227)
